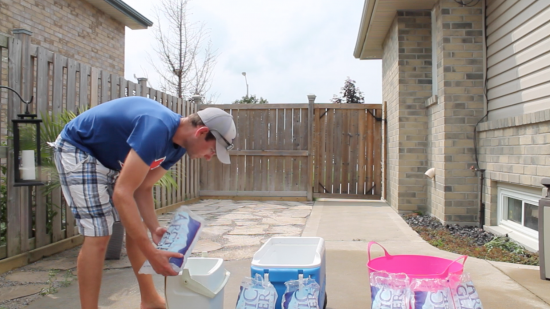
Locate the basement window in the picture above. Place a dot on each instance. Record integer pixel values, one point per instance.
(518, 210)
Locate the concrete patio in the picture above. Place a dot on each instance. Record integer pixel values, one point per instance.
(237, 229)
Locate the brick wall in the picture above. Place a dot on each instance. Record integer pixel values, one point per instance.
(516, 151)
(436, 141)
(406, 87)
(390, 84)
(434, 131)
(460, 107)
(73, 28)
(415, 87)
(427, 131)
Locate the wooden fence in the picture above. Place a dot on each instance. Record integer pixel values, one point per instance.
(29, 220)
(291, 151)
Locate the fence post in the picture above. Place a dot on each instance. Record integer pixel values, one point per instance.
(24, 36)
(142, 81)
(13, 202)
(94, 86)
(197, 99)
(311, 99)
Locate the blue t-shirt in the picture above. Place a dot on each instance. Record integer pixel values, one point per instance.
(108, 132)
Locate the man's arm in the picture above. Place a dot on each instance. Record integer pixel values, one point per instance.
(132, 176)
(144, 199)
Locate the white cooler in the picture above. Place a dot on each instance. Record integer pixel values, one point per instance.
(199, 285)
(289, 258)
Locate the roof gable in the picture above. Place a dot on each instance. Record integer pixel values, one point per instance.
(376, 21)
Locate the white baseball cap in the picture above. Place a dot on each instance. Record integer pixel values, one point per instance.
(222, 126)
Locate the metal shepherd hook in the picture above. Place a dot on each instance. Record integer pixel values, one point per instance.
(20, 98)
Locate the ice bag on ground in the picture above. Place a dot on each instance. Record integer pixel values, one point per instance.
(256, 292)
(389, 290)
(463, 292)
(181, 236)
(431, 294)
(301, 294)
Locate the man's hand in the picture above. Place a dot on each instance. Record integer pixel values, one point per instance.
(157, 234)
(159, 261)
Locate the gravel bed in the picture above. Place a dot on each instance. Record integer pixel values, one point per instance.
(479, 236)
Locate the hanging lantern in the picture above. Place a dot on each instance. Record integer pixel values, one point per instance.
(26, 147)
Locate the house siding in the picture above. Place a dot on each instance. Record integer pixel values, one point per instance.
(73, 28)
(518, 58)
(514, 144)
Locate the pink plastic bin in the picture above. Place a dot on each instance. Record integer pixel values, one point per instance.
(415, 266)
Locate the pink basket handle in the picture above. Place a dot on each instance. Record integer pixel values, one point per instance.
(375, 243)
(462, 257)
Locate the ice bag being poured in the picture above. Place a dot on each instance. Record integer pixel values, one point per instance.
(181, 236)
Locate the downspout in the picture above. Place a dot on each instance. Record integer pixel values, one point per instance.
(477, 169)
(481, 203)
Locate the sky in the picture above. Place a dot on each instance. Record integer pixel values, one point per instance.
(288, 49)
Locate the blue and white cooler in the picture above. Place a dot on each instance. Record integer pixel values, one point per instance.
(287, 258)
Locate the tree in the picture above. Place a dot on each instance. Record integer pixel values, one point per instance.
(350, 93)
(251, 100)
(184, 50)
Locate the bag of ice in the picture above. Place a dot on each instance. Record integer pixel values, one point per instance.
(256, 292)
(181, 236)
(301, 294)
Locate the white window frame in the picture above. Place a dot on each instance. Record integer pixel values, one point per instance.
(525, 196)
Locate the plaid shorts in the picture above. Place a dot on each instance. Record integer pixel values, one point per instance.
(88, 189)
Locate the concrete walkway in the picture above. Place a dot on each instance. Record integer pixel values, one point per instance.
(237, 229)
(500, 285)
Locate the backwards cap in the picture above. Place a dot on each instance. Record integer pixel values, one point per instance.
(222, 126)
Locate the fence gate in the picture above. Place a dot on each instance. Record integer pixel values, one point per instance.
(347, 151)
(272, 157)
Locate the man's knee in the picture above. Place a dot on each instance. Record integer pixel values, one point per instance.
(96, 243)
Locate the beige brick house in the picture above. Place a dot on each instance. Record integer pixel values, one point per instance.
(467, 88)
(88, 31)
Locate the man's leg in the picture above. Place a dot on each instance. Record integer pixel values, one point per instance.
(89, 269)
(150, 298)
(86, 186)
